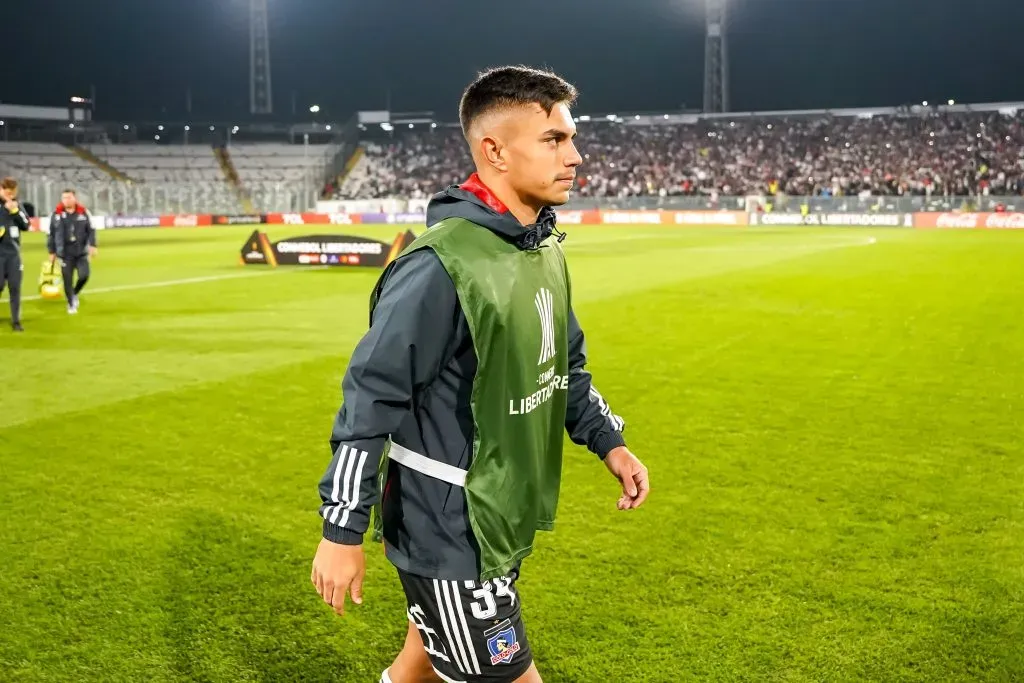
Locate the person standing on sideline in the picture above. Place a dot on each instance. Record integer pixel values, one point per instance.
(13, 221)
(458, 398)
(73, 241)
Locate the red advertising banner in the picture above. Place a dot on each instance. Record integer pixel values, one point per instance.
(708, 217)
(648, 217)
(185, 220)
(639, 217)
(313, 218)
(245, 219)
(998, 221)
(585, 217)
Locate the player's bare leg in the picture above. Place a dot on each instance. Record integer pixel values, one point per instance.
(412, 665)
(531, 676)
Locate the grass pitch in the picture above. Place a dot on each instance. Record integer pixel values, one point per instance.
(832, 420)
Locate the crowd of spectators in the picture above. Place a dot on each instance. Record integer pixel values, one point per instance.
(941, 153)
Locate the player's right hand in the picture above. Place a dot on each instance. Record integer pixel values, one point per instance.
(339, 569)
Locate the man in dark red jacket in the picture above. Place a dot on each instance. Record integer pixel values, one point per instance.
(72, 240)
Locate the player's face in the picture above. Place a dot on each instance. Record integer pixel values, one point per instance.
(542, 157)
(68, 200)
(6, 194)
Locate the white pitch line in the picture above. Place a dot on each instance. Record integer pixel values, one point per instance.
(819, 246)
(171, 283)
(593, 245)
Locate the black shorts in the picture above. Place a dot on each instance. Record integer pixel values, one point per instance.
(472, 631)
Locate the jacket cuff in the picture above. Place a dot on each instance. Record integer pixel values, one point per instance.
(606, 443)
(339, 534)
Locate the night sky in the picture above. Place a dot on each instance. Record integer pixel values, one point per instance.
(624, 55)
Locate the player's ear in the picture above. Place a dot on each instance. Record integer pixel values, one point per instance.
(493, 150)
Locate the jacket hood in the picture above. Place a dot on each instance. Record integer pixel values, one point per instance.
(475, 202)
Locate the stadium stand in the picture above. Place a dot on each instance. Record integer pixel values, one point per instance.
(411, 165)
(897, 159)
(152, 163)
(151, 178)
(278, 162)
(271, 174)
(940, 154)
(47, 161)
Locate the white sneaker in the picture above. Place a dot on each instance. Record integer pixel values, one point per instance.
(72, 309)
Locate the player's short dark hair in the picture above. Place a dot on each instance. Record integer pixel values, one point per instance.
(509, 86)
(9, 183)
(68, 190)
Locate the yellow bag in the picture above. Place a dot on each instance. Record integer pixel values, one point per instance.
(51, 282)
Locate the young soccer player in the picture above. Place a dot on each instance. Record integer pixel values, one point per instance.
(472, 369)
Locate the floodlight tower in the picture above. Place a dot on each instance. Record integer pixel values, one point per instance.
(716, 62)
(260, 98)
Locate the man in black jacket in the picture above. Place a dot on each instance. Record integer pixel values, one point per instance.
(12, 222)
(411, 382)
(72, 240)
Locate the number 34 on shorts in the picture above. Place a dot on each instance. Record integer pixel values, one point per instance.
(471, 631)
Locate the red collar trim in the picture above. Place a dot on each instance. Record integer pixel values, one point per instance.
(483, 193)
(78, 209)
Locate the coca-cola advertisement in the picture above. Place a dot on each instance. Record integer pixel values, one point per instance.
(957, 220)
(969, 221)
(1011, 221)
(185, 220)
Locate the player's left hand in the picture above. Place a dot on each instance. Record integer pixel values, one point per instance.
(11, 205)
(628, 469)
(93, 251)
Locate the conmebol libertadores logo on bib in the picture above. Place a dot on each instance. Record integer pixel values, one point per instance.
(546, 311)
(548, 382)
